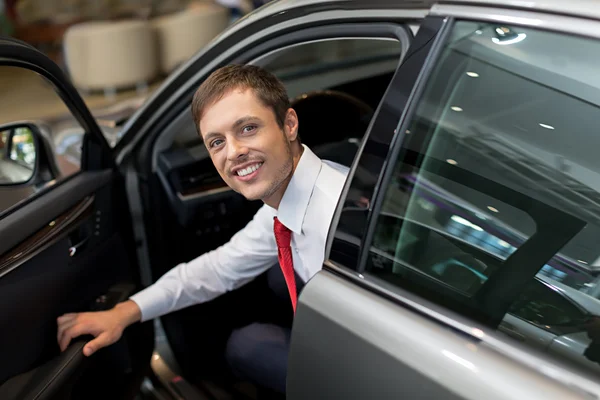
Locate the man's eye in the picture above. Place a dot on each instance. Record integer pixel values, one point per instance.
(215, 143)
(248, 128)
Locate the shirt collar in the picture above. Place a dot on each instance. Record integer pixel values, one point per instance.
(294, 202)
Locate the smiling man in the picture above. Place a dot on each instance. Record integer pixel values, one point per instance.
(244, 117)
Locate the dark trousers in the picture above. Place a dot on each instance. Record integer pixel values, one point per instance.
(258, 352)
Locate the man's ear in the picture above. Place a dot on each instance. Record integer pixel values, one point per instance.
(291, 125)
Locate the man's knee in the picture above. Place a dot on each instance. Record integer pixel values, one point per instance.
(259, 353)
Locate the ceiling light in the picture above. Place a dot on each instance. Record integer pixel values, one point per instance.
(451, 161)
(408, 131)
(516, 39)
(581, 261)
(478, 32)
(547, 126)
(465, 222)
(473, 74)
(493, 209)
(456, 108)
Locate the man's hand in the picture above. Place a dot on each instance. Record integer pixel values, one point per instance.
(106, 326)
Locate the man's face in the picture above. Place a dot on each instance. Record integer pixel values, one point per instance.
(249, 149)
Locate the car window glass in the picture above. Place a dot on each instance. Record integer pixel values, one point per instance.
(27, 97)
(493, 208)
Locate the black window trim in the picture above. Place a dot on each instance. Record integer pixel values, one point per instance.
(405, 73)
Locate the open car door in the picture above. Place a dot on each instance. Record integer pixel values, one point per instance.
(66, 247)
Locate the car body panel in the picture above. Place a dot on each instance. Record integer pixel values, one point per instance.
(350, 343)
(572, 347)
(346, 242)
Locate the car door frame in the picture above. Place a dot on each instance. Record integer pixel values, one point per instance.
(173, 97)
(396, 29)
(96, 152)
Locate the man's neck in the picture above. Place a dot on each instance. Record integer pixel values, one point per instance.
(275, 199)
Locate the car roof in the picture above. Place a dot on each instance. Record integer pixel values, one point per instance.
(581, 8)
(280, 7)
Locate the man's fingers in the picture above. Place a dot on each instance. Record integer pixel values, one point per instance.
(72, 332)
(62, 327)
(66, 317)
(103, 340)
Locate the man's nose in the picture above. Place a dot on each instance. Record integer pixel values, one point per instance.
(236, 149)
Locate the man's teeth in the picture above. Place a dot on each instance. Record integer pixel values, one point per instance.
(249, 170)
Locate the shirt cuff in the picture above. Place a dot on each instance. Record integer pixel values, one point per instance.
(149, 303)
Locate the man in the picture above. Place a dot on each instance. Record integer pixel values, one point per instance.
(244, 117)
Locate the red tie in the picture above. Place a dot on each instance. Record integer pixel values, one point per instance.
(283, 237)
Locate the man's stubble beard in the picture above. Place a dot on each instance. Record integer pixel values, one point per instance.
(284, 174)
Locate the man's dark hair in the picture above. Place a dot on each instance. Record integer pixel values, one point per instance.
(266, 86)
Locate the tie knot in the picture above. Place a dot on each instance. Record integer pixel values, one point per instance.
(283, 236)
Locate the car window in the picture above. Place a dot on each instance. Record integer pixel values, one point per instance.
(26, 97)
(493, 205)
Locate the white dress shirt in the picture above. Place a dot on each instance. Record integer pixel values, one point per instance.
(306, 208)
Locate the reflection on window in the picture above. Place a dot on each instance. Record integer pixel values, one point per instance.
(493, 210)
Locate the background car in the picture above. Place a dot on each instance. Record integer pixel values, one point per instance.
(400, 308)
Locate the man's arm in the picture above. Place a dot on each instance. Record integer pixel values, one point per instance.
(250, 252)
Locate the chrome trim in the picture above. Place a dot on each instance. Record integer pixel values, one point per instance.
(534, 19)
(62, 230)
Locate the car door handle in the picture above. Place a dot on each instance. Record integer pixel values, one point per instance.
(77, 247)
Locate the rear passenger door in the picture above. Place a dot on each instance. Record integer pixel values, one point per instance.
(478, 185)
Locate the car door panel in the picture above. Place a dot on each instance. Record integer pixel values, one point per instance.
(25, 221)
(55, 279)
(390, 352)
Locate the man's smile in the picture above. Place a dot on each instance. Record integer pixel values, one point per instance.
(247, 171)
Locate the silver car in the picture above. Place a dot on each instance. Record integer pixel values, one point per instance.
(463, 258)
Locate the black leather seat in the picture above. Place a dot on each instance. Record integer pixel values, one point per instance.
(332, 123)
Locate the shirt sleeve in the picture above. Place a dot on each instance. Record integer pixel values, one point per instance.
(250, 252)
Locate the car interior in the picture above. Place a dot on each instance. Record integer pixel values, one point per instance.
(335, 87)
